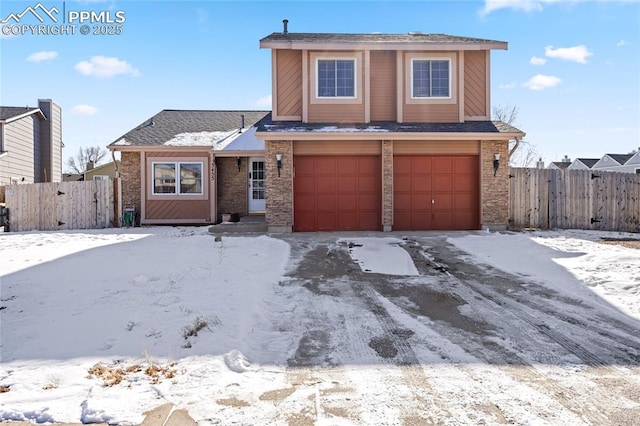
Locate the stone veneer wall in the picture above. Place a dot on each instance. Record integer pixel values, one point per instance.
(387, 185)
(279, 189)
(232, 186)
(130, 175)
(495, 189)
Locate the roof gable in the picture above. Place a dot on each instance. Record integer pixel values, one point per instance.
(612, 160)
(9, 113)
(589, 162)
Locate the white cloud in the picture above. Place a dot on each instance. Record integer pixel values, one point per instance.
(577, 54)
(622, 43)
(43, 56)
(541, 82)
(83, 109)
(523, 5)
(507, 85)
(537, 61)
(102, 66)
(262, 102)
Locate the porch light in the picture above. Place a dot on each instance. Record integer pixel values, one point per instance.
(279, 162)
(496, 163)
(239, 161)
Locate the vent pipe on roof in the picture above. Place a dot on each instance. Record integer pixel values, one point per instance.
(241, 123)
(285, 22)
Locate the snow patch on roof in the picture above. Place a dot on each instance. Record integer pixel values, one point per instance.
(122, 142)
(212, 139)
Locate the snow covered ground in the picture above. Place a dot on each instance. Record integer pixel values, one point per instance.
(464, 328)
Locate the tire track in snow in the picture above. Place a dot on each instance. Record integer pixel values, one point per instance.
(599, 396)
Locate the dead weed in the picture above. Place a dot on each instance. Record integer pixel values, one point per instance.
(114, 375)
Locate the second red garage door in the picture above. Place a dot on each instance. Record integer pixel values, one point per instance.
(337, 193)
(436, 192)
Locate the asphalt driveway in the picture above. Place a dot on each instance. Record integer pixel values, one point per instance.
(466, 343)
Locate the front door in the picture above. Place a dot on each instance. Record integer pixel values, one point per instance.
(256, 186)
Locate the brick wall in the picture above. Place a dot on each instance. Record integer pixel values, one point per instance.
(495, 189)
(387, 185)
(232, 186)
(1, 194)
(279, 189)
(130, 174)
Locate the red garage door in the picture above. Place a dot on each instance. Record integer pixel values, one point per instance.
(336, 193)
(436, 192)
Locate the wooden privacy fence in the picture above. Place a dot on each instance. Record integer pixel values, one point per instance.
(574, 199)
(61, 205)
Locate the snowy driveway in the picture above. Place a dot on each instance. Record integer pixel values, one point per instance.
(335, 329)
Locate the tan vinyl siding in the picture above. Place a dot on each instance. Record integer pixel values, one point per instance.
(323, 113)
(22, 158)
(383, 85)
(430, 113)
(289, 83)
(475, 84)
(177, 210)
(337, 147)
(436, 147)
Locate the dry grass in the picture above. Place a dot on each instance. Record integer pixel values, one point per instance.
(632, 243)
(4, 389)
(114, 375)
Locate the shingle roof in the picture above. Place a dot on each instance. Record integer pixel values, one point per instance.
(621, 158)
(467, 127)
(168, 123)
(412, 37)
(561, 164)
(7, 112)
(589, 162)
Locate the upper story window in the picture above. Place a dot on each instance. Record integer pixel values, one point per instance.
(177, 178)
(336, 78)
(431, 78)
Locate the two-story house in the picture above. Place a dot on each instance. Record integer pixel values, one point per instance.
(31, 143)
(383, 132)
(367, 132)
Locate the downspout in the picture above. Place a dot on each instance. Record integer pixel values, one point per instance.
(515, 147)
(113, 157)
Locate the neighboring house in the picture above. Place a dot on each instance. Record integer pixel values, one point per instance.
(583, 163)
(560, 165)
(624, 163)
(104, 171)
(192, 166)
(368, 132)
(383, 132)
(31, 143)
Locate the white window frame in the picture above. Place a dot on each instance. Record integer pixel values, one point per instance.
(355, 77)
(432, 58)
(100, 177)
(177, 192)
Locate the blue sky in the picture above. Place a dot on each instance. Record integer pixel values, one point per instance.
(572, 68)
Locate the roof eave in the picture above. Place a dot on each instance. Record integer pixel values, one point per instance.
(17, 117)
(432, 46)
(417, 136)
